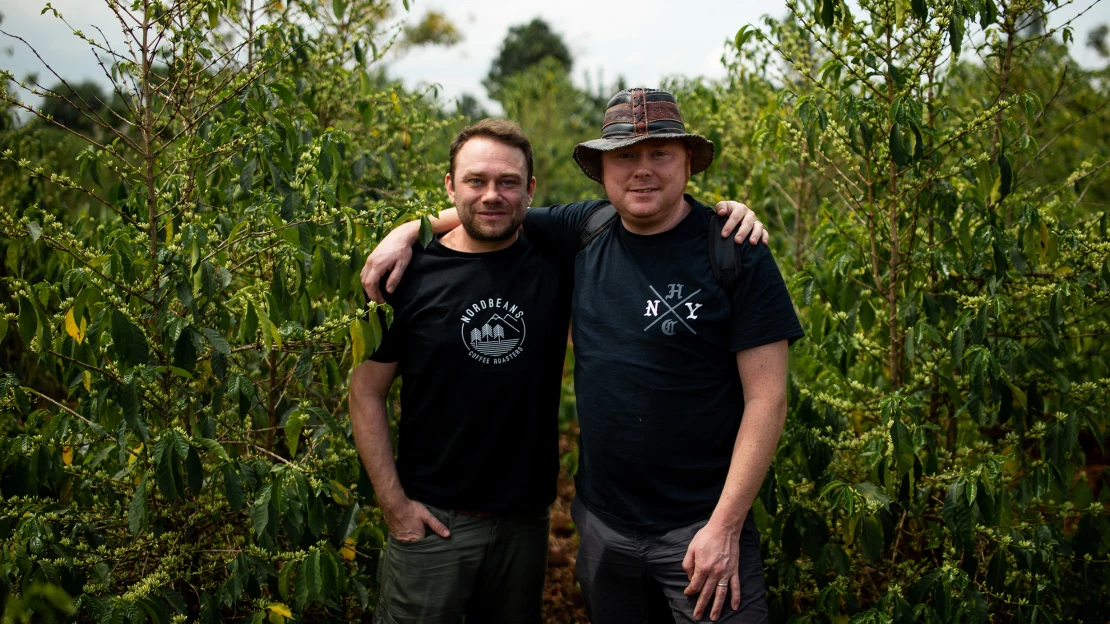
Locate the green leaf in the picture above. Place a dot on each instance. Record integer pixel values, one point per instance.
(866, 315)
(246, 176)
(329, 574)
(746, 31)
(920, 9)
(136, 513)
(358, 343)
(339, 7)
(250, 324)
(28, 321)
(903, 446)
(957, 513)
(1061, 439)
(129, 342)
(873, 493)
(213, 447)
(3, 328)
(233, 487)
(128, 397)
(293, 425)
(300, 585)
(217, 340)
(956, 32)
(827, 13)
(373, 331)
(194, 473)
(313, 577)
(958, 347)
(35, 230)
(898, 146)
(871, 536)
(164, 472)
(1006, 176)
(347, 523)
(426, 231)
(260, 510)
(283, 579)
(988, 13)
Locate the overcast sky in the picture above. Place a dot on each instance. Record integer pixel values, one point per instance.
(645, 41)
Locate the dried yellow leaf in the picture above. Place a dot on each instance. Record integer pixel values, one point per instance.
(134, 454)
(75, 332)
(348, 549)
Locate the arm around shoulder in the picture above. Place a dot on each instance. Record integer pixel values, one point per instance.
(393, 254)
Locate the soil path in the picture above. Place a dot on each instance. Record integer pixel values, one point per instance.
(562, 599)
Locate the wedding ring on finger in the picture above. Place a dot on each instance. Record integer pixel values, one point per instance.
(722, 584)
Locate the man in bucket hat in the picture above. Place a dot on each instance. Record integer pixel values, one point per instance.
(680, 380)
(466, 502)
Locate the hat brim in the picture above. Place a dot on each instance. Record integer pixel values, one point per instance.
(588, 154)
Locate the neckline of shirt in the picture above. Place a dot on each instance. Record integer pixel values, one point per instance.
(689, 225)
(508, 252)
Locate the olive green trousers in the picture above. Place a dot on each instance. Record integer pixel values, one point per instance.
(490, 570)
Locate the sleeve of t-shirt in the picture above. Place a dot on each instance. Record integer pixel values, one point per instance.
(762, 312)
(391, 347)
(556, 228)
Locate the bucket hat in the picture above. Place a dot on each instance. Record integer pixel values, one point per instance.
(635, 115)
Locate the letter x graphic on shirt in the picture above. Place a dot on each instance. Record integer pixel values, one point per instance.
(671, 309)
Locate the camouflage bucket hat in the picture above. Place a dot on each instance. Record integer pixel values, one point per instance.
(635, 115)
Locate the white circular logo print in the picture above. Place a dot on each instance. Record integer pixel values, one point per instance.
(493, 330)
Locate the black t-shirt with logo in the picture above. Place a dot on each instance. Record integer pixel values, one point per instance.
(480, 341)
(655, 336)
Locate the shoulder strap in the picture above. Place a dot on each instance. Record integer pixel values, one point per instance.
(724, 256)
(600, 218)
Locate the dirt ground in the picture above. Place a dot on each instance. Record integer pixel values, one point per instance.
(562, 599)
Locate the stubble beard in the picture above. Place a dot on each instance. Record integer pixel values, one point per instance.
(475, 231)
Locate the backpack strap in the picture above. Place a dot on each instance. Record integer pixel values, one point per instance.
(600, 218)
(724, 256)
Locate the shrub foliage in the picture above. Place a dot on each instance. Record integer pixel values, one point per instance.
(182, 307)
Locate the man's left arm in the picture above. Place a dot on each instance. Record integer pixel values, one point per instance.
(714, 553)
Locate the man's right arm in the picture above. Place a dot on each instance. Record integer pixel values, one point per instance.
(393, 253)
(405, 517)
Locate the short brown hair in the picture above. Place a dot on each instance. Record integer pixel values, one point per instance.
(501, 130)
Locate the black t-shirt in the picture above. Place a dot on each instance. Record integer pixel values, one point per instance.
(480, 341)
(655, 336)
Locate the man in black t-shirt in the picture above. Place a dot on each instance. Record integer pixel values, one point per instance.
(478, 338)
(681, 384)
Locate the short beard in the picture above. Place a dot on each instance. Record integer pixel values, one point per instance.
(476, 233)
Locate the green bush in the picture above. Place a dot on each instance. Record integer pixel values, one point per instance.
(943, 458)
(181, 310)
(183, 298)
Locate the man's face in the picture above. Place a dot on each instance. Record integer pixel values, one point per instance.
(645, 181)
(490, 188)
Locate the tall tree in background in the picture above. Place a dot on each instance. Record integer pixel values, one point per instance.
(525, 46)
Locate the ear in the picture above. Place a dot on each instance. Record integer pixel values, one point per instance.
(689, 161)
(531, 189)
(449, 184)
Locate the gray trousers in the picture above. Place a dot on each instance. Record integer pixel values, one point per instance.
(491, 569)
(632, 577)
